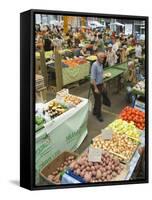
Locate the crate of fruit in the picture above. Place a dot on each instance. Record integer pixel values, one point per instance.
(53, 170)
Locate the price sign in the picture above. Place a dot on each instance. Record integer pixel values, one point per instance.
(95, 154)
(106, 134)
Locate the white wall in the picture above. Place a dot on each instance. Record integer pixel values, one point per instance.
(9, 100)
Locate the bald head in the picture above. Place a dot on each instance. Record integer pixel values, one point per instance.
(100, 57)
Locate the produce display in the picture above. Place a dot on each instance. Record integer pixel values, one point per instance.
(67, 99)
(130, 48)
(55, 175)
(133, 115)
(106, 170)
(123, 127)
(71, 99)
(62, 92)
(140, 87)
(72, 63)
(92, 58)
(120, 145)
(39, 120)
(55, 109)
(107, 75)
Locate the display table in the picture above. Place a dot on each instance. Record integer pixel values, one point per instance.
(71, 75)
(121, 66)
(130, 169)
(65, 132)
(114, 73)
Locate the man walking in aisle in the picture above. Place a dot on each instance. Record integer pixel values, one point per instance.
(97, 84)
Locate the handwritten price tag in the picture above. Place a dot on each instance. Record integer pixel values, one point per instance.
(95, 154)
(106, 134)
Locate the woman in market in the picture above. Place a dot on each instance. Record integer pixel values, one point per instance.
(69, 40)
(130, 79)
(83, 52)
(100, 43)
(124, 54)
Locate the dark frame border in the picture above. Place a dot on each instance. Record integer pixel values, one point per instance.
(27, 99)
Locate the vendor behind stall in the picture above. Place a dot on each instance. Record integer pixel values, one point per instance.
(124, 54)
(138, 50)
(130, 79)
(111, 56)
(83, 51)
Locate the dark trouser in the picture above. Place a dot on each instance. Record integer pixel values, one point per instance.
(97, 100)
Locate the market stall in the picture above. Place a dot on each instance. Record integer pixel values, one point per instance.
(60, 133)
(111, 150)
(111, 156)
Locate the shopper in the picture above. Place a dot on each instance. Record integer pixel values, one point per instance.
(83, 52)
(124, 54)
(138, 50)
(111, 56)
(97, 84)
(100, 43)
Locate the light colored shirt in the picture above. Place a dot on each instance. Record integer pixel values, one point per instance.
(111, 58)
(97, 72)
(138, 51)
(115, 47)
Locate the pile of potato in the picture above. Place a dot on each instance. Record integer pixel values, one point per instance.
(106, 170)
(55, 175)
(121, 145)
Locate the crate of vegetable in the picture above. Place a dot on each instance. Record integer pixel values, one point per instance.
(139, 88)
(120, 145)
(53, 170)
(108, 169)
(133, 115)
(55, 109)
(123, 127)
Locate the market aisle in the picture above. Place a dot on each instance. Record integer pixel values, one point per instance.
(94, 126)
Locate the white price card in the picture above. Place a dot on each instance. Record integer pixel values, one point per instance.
(94, 154)
(106, 134)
